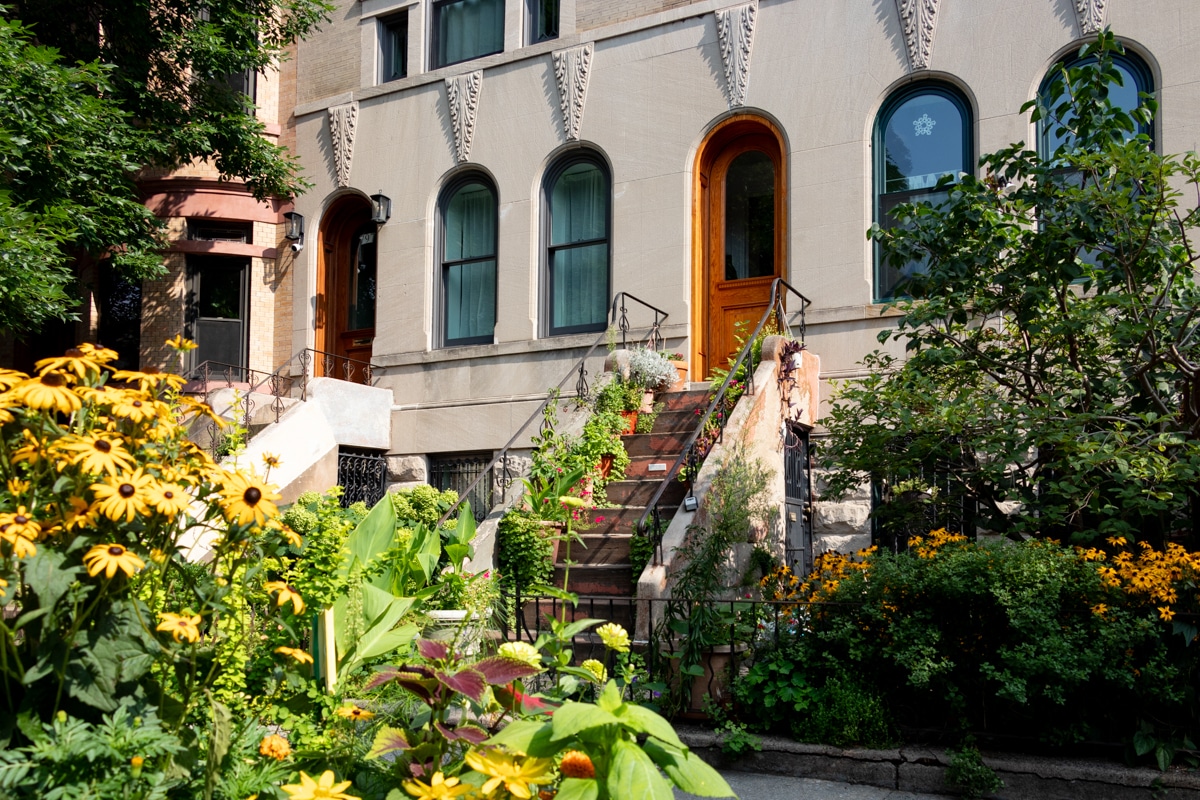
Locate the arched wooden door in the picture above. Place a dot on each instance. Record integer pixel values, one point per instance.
(740, 234)
(347, 273)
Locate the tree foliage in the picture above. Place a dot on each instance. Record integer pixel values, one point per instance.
(1052, 370)
(90, 92)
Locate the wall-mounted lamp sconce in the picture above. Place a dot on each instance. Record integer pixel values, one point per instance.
(381, 208)
(295, 230)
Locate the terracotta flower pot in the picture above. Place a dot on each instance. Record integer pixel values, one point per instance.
(630, 422)
(606, 462)
(681, 382)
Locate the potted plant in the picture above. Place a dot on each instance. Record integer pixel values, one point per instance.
(651, 369)
(681, 368)
(621, 397)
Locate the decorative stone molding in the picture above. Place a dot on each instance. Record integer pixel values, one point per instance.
(343, 121)
(571, 70)
(919, 19)
(1091, 15)
(462, 95)
(735, 30)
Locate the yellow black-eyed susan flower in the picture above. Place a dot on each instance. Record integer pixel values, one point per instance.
(10, 378)
(111, 558)
(247, 499)
(168, 499)
(99, 453)
(286, 594)
(123, 495)
(49, 392)
(74, 361)
(180, 626)
(301, 656)
(21, 523)
(324, 788)
(351, 711)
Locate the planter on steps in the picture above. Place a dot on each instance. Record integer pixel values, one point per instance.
(452, 624)
(630, 418)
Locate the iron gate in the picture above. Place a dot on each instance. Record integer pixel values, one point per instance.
(362, 474)
(798, 497)
(457, 472)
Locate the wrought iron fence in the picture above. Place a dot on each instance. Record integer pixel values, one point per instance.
(710, 428)
(461, 473)
(362, 474)
(209, 377)
(922, 499)
(734, 633)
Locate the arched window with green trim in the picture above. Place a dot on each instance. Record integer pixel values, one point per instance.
(1136, 79)
(467, 260)
(577, 223)
(922, 134)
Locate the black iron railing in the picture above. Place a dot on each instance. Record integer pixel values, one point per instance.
(710, 428)
(333, 365)
(500, 470)
(212, 376)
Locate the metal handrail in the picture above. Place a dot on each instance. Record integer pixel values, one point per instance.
(349, 366)
(654, 337)
(776, 305)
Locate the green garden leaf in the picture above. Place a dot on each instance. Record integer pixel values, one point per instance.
(687, 770)
(642, 720)
(527, 736)
(574, 718)
(633, 775)
(388, 740)
(578, 789)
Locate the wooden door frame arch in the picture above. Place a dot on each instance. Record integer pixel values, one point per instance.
(727, 139)
(345, 214)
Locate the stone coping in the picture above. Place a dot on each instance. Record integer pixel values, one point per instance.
(922, 769)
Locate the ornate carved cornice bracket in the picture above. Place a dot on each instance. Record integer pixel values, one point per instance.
(918, 18)
(462, 97)
(735, 31)
(1091, 14)
(343, 122)
(572, 67)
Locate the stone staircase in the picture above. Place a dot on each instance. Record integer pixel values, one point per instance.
(602, 568)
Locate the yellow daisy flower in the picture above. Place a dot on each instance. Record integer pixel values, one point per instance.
(168, 499)
(20, 546)
(7, 402)
(10, 378)
(181, 344)
(271, 460)
(248, 499)
(522, 651)
(351, 711)
(21, 523)
(149, 379)
(291, 536)
(275, 746)
(299, 655)
(98, 453)
(123, 495)
(97, 353)
(137, 406)
(286, 594)
(180, 626)
(50, 392)
(16, 486)
(323, 788)
(439, 788)
(75, 361)
(108, 558)
(515, 772)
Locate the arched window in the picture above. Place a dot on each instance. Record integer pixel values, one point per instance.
(467, 261)
(577, 224)
(923, 133)
(1136, 78)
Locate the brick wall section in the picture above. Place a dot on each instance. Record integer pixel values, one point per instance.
(595, 13)
(329, 63)
(163, 307)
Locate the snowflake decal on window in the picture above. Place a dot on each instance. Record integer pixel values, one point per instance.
(923, 125)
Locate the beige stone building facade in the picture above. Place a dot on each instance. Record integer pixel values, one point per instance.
(539, 157)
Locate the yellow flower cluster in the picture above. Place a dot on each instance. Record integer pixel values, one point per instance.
(928, 546)
(829, 569)
(1162, 579)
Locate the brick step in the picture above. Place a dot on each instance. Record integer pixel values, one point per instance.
(639, 468)
(670, 421)
(608, 580)
(638, 493)
(612, 520)
(601, 548)
(683, 401)
(659, 444)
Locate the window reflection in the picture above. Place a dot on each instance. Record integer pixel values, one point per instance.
(750, 217)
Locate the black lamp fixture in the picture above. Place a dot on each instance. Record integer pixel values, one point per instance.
(295, 226)
(381, 208)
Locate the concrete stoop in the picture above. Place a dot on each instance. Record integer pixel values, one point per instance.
(923, 769)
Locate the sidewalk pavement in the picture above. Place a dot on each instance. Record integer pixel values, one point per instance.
(763, 786)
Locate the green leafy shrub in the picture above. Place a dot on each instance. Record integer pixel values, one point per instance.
(970, 775)
(523, 550)
(776, 687)
(846, 713)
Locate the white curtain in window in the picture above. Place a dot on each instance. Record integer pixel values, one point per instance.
(469, 29)
(579, 274)
(470, 286)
